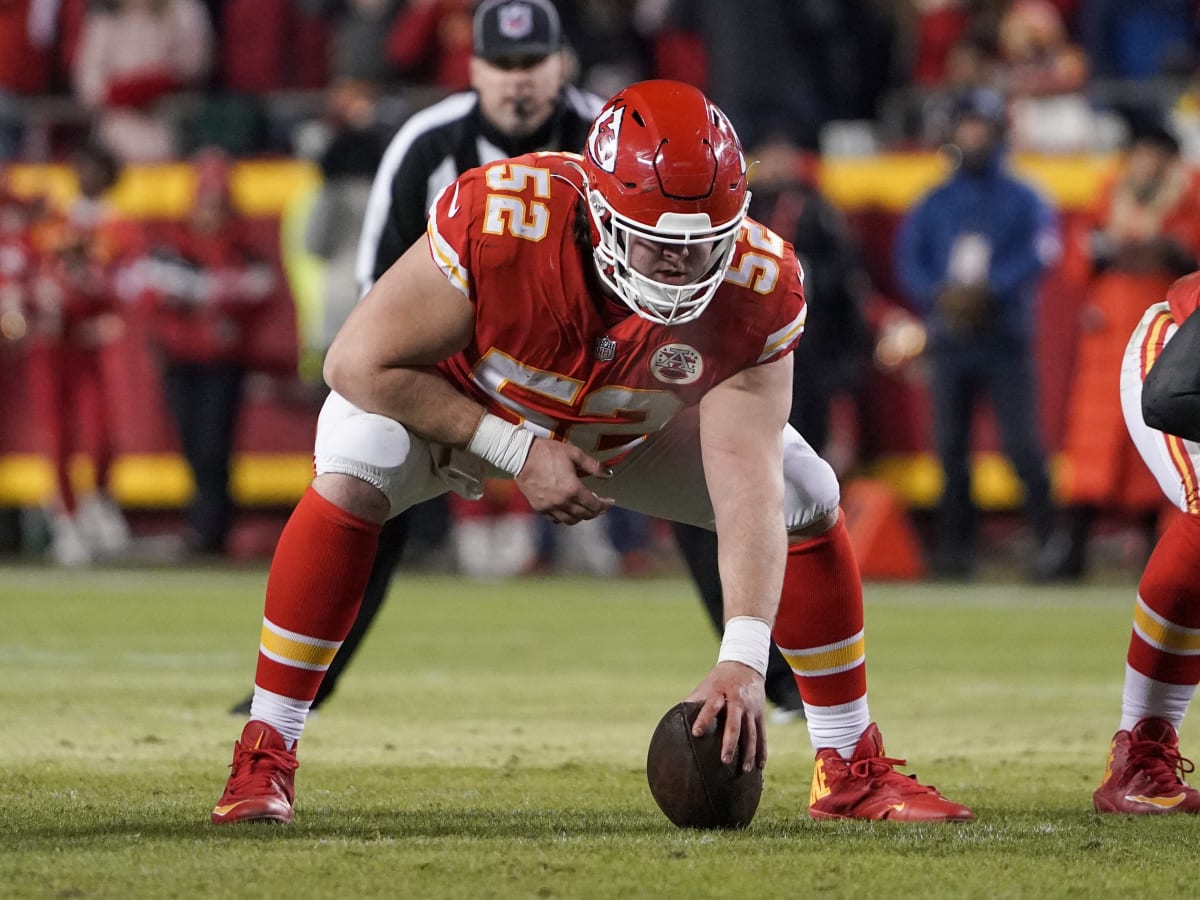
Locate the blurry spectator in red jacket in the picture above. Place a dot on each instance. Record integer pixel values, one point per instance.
(29, 33)
(273, 45)
(133, 55)
(73, 317)
(204, 288)
(1141, 234)
(431, 41)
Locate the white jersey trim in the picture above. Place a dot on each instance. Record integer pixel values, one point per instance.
(780, 340)
(446, 256)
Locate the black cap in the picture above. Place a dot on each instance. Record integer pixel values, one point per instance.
(516, 28)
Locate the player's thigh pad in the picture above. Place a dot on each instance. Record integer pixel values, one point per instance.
(1173, 461)
(665, 478)
(377, 450)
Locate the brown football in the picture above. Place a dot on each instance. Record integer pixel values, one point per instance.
(689, 781)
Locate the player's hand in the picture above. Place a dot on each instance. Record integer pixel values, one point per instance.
(739, 690)
(550, 481)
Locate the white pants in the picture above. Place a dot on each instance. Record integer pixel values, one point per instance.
(1173, 460)
(663, 477)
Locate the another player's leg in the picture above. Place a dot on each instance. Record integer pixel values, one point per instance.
(819, 629)
(1145, 769)
(314, 589)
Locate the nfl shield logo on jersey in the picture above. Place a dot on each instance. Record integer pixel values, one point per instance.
(606, 349)
(515, 21)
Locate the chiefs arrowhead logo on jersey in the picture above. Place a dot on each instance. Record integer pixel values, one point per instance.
(602, 141)
(676, 364)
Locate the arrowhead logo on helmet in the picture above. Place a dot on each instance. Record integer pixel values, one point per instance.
(602, 141)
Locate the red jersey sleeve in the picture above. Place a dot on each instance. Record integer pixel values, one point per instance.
(768, 283)
(451, 229)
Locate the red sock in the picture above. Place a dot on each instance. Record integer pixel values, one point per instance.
(314, 590)
(819, 626)
(1167, 616)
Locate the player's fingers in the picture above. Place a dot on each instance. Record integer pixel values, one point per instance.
(762, 742)
(708, 714)
(589, 465)
(732, 737)
(750, 743)
(589, 505)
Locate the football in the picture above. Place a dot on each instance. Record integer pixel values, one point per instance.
(689, 782)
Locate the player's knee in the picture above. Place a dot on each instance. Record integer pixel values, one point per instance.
(352, 494)
(816, 528)
(811, 494)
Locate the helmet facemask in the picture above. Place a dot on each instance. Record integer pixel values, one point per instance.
(666, 304)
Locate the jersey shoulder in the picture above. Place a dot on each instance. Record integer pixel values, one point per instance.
(763, 291)
(509, 217)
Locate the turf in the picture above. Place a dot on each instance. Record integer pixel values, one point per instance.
(490, 742)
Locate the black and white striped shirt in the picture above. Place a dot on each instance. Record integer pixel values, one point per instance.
(433, 148)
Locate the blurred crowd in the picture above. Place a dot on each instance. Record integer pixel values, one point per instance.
(82, 284)
(154, 78)
(104, 84)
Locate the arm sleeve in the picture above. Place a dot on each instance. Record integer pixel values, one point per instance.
(1171, 392)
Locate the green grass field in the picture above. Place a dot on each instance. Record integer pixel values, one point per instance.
(490, 742)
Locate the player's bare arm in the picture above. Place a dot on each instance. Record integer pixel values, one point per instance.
(741, 423)
(382, 360)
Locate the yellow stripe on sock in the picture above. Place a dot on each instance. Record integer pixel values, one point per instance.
(828, 659)
(1166, 636)
(299, 651)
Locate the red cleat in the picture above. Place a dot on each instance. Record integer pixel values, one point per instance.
(867, 786)
(1144, 773)
(261, 787)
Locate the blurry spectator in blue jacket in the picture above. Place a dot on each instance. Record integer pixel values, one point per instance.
(970, 256)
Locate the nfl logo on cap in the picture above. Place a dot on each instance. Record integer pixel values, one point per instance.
(504, 29)
(515, 20)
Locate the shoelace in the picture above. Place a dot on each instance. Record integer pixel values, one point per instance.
(1162, 763)
(251, 777)
(881, 769)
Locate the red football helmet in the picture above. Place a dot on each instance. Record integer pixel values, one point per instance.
(663, 164)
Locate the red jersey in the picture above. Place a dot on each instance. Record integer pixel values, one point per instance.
(548, 350)
(1184, 296)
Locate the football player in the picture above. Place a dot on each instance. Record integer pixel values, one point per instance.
(1160, 396)
(606, 329)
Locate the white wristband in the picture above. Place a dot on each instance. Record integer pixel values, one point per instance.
(503, 444)
(747, 640)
